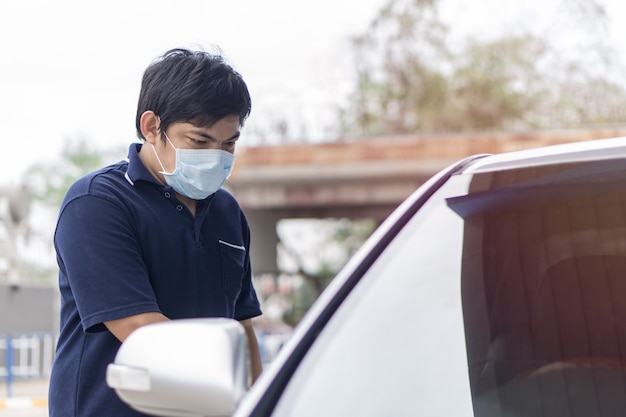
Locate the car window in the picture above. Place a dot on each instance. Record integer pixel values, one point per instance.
(543, 287)
(396, 346)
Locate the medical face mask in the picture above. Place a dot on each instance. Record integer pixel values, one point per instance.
(198, 172)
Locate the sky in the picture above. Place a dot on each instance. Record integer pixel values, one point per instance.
(71, 69)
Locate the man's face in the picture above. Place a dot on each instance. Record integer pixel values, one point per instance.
(222, 135)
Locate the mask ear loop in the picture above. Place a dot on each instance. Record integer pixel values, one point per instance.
(158, 159)
(154, 148)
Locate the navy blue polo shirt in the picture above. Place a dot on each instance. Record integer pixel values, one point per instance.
(126, 245)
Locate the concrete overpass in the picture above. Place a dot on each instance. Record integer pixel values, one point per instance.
(365, 178)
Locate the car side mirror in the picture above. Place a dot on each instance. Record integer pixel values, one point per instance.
(190, 367)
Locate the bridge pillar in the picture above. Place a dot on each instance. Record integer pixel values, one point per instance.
(264, 241)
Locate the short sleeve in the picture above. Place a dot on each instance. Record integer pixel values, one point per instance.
(100, 259)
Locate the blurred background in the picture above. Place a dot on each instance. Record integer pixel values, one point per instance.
(355, 104)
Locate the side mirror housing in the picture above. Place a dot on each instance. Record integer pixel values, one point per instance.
(190, 367)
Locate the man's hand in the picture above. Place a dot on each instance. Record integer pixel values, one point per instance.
(256, 366)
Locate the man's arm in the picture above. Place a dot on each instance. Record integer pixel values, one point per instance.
(121, 328)
(256, 366)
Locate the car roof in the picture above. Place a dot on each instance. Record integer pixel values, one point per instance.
(592, 150)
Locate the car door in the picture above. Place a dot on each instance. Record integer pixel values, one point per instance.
(496, 293)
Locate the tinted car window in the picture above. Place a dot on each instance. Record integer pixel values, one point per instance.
(543, 289)
(395, 347)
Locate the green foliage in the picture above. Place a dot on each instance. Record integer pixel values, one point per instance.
(331, 243)
(495, 84)
(395, 72)
(408, 79)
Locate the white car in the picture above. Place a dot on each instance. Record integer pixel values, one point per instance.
(497, 289)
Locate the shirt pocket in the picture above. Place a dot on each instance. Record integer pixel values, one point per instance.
(233, 258)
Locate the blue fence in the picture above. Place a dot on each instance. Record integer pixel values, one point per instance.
(24, 356)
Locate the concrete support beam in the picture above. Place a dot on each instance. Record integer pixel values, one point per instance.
(264, 241)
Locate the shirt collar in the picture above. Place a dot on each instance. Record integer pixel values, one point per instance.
(136, 169)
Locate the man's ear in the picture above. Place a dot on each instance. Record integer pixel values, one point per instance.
(150, 125)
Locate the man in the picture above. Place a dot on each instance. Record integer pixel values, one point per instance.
(154, 237)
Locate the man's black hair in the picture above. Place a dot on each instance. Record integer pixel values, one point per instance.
(192, 86)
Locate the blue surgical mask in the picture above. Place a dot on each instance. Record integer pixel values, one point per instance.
(198, 172)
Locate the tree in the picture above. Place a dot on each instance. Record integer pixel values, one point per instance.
(494, 84)
(408, 79)
(316, 257)
(395, 71)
